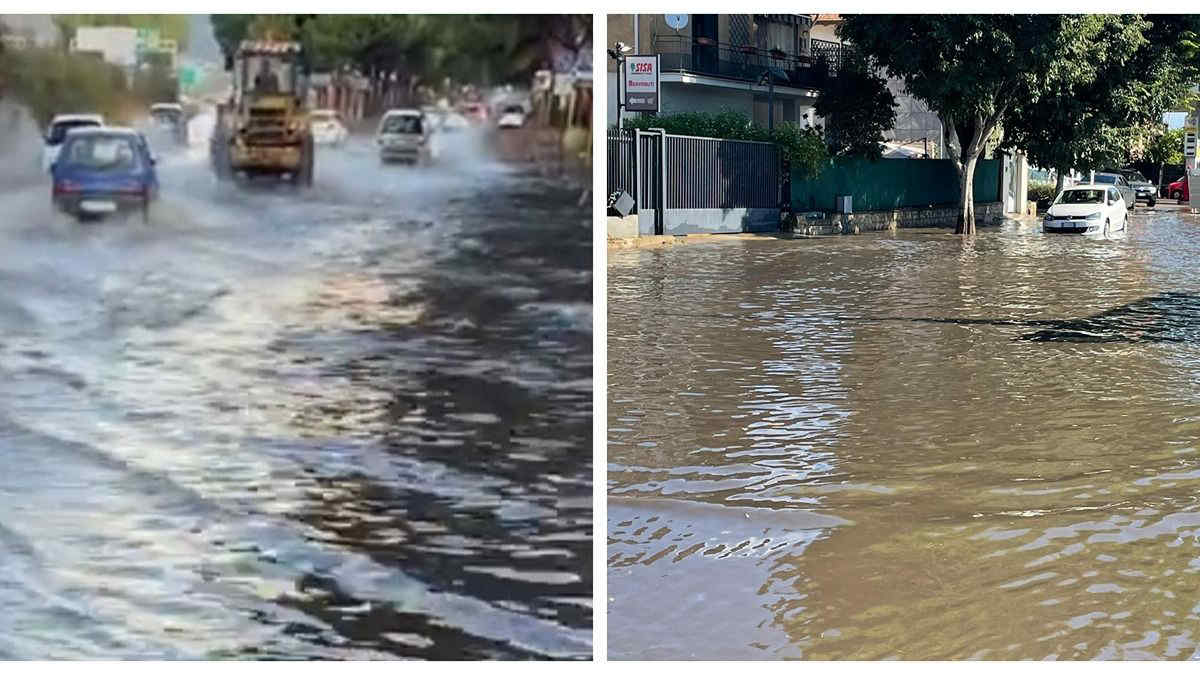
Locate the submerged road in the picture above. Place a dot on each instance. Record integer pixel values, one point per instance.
(907, 446)
(350, 422)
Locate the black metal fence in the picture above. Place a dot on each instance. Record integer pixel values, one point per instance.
(713, 173)
(695, 173)
(749, 63)
(622, 164)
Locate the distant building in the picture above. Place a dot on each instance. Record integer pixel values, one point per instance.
(918, 130)
(29, 30)
(115, 44)
(718, 62)
(126, 47)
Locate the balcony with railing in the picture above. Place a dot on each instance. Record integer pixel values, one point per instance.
(747, 63)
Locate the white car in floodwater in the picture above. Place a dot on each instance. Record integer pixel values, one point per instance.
(511, 117)
(327, 128)
(406, 136)
(1087, 209)
(57, 133)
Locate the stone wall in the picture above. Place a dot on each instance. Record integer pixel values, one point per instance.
(989, 213)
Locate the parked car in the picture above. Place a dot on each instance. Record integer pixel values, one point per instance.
(57, 133)
(477, 113)
(406, 136)
(1122, 185)
(327, 128)
(1086, 209)
(168, 119)
(1143, 189)
(1179, 190)
(104, 170)
(511, 117)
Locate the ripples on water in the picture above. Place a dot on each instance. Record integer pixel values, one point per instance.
(907, 446)
(350, 425)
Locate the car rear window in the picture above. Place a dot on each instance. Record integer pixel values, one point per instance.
(100, 153)
(402, 124)
(514, 109)
(58, 130)
(1106, 179)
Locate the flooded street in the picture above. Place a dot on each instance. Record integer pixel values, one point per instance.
(348, 422)
(907, 446)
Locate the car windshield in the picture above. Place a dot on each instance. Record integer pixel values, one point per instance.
(100, 153)
(402, 124)
(1082, 197)
(514, 109)
(322, 117)
(165, 115)
(1136, 177)
(58, 131)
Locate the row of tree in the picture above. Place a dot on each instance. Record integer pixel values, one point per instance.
(1071, 91)
(416, 49)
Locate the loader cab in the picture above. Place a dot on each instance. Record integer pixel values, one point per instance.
(272, 72)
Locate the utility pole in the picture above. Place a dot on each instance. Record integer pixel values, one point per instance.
(620, 94)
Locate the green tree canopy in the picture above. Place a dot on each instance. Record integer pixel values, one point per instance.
(973, 70)
(857, 108)
(418, 47)
(1144, 65)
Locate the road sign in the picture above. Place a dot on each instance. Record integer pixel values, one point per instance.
(1189, 144)
(642, 84)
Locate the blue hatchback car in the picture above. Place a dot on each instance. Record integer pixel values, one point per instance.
(104, 170)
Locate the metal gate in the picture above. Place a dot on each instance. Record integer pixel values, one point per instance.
(690, 184)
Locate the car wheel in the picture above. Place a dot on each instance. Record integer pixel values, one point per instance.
(1152, 202)
(1176, 195)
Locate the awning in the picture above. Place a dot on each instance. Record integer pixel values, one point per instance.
(789, 19)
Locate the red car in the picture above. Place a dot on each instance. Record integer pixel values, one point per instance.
(1179, 190)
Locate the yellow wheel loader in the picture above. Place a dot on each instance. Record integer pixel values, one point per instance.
(263, 129)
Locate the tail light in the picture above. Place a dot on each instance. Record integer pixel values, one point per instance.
(132, 188)
(67, 186)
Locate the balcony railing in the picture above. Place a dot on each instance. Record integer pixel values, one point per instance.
(749, 63)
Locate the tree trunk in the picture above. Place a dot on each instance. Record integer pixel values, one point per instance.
(966, 211)
(1062, 180)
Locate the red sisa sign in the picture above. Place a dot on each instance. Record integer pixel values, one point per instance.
(641, 83)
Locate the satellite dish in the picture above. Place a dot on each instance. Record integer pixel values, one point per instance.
(677, 21)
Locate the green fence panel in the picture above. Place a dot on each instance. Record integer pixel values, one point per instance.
(892, 184)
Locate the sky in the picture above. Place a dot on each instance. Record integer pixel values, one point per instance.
(1174, 120)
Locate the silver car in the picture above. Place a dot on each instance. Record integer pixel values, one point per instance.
(1122, 185)
(406, 136)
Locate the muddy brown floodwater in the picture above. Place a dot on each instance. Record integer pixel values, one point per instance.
(907, 446)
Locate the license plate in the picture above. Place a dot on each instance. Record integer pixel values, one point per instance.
(97, 206)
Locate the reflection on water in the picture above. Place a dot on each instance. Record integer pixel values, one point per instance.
(906, 446)
(354, 423)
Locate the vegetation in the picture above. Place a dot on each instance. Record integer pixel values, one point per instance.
(1164, 147)
(1042, 193)
(858, 108)
(49, 81)
(1143, 65)
(418, 49)
(803, 147)
(979, 72)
